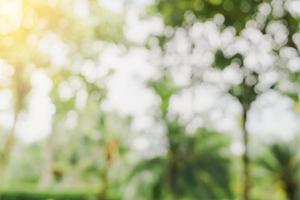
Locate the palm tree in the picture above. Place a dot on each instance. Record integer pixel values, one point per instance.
(194, 167)
(283, 164)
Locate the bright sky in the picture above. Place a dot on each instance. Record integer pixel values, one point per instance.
(271, 115)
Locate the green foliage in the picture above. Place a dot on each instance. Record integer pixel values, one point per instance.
(283, 164)
(236, 12)
(196, 167)
(246, 92)
(221, 61)
(165, 88)
(44, 195)
(293, 96)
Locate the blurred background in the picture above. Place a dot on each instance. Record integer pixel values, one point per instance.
(149, 99)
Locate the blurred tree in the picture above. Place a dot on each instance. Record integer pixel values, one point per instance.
(241, 16)
(236, 12)
(196, 165)
(90, 138)
(21, 45)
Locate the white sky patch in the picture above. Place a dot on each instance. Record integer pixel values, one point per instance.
(119, 5)
(53, 46)
(81, 8)
(36, 123)
(113, 5)
(259, 56)
(127, 93)
(6, 109)
(6, 72)
(10, 15)
(194, 101)
(293, 6)
(138, 30)
(272, 118)
(204, 106)
(6, 99)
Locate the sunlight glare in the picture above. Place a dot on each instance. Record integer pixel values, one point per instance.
(10, 15)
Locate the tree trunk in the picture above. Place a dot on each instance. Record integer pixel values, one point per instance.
(291, 187)
(104, 178)
(7, 149)
(20, 89)
(246, 159)
(47, 171)
(111, 154)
